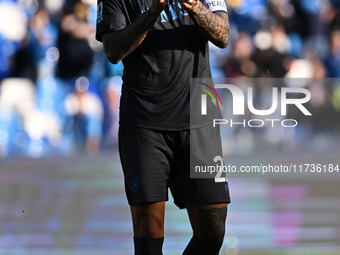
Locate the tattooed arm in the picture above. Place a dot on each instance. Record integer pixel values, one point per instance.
(215, 26)
(120, 43)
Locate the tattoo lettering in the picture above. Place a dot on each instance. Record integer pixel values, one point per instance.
(212, 224)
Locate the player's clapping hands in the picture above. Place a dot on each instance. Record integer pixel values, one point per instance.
(159, 5)
(190, 5)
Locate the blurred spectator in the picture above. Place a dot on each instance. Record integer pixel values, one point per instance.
(239, 63)
(271, 54)
(319, 70)
(111, 121)
(22, 64)
(285, 13)
(42, 35)
(333, 61)
(85, 117)
(76, 55)
(13, 30)
(248, 14)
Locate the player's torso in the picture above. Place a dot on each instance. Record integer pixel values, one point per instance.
(168, 52)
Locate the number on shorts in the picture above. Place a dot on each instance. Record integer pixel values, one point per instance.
(218, 176)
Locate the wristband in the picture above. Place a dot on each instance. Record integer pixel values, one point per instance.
(216, 5)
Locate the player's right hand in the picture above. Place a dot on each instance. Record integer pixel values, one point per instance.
(159, 5)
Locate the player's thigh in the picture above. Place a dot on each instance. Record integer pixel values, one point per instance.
(145, 158)
(191, 187)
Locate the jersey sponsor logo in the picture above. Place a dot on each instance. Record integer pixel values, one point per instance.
(175, 12)
(100, 12)
(216, 5)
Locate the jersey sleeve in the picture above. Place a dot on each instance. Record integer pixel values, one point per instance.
(110, 17)
(216, 5)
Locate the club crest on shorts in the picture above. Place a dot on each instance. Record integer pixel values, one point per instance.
(134, 184)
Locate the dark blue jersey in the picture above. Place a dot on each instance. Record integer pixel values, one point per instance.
(156, 80)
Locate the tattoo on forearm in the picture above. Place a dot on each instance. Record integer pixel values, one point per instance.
(212, 224)
(120, 43)
(214, 25)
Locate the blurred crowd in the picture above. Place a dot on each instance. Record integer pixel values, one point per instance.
(59, 94)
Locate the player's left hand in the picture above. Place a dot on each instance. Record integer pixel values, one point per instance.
(190, 5)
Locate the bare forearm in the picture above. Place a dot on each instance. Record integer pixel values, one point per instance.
(215, 26)
(118, 44)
